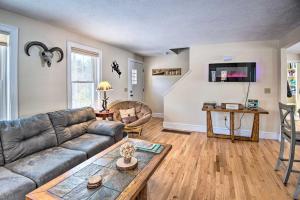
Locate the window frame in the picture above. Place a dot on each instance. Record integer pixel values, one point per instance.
(12, 71)
(98, 73)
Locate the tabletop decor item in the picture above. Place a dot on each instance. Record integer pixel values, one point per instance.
(104, 86)
(127, 162)
(94, 182)
(127, 151)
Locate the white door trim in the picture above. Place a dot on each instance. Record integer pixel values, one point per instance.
(13, 103)
(71, 44)
(128, 74)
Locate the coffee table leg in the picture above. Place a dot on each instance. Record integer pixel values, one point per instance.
(143, 194)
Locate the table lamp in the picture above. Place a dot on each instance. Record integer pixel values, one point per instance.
(104, 86)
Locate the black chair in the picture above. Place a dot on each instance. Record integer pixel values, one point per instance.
(288, 133)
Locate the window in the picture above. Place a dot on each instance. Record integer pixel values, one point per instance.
(84, 75)
(8, 72)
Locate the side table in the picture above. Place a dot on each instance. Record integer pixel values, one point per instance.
(105, 114)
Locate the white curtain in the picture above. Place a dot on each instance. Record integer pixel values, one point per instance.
(3, 82)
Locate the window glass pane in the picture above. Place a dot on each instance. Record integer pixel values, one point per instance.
(82, 94)
(133, 76)
(3, 83)
(83, 67)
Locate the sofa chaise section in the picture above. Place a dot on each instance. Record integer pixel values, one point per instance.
(14, 186)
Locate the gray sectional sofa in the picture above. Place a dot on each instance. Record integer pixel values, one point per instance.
(37, 149)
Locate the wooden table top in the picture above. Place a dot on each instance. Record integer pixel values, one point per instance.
(244, 110)
(104, 112)
(129, 192)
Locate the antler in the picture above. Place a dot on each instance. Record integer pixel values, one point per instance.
(35, 43)
(60, 52)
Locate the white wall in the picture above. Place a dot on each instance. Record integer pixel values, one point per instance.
(184, 102)
(43, 89)
(157, 86)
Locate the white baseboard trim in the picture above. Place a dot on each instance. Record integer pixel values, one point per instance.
(158, 115)
(218, 130)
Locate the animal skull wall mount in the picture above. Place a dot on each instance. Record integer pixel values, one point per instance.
(115, 67)
(46, 54)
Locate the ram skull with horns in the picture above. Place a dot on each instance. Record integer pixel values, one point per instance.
(46, 54)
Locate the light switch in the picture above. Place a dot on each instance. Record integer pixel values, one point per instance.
(267, 90)
(125, 90)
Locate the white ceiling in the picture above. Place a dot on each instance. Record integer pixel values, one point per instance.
(152, 26)
(294, 48)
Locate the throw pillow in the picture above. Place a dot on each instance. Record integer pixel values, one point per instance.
(128, 116)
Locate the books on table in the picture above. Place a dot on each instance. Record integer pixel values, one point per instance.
(148, 147)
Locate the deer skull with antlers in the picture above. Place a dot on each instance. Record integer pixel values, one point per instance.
(46, 54)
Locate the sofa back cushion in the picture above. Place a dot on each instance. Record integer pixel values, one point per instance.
(25, 136)
(71, 123)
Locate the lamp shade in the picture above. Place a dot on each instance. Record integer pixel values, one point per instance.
(104, 86)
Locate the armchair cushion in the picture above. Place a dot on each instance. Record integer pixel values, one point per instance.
(140, 121)
(128, 116)
(108, 128)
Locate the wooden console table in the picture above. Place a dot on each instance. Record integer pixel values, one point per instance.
(255, 127)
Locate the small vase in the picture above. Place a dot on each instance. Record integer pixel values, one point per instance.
(127, 160)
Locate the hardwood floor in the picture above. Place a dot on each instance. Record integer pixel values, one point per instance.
(201, 168)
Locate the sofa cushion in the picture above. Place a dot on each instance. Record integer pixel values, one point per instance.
(1, 153)
(14, 186)
(91, 144)
(71, 123)
(43, 166)
(108, 128)
(25, 136)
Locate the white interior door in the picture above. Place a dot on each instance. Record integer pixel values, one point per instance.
(135, 80)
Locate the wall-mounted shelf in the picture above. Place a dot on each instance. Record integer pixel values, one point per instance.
(166, 72)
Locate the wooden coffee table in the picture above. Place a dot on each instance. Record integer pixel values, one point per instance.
(117, 184)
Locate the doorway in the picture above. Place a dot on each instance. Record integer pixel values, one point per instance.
(136, 80)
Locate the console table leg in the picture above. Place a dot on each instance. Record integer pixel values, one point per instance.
(255, 128)
(143, 194)
(210, 132)
(232, 126)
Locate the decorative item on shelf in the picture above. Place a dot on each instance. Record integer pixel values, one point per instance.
(252, 104)
(209, 104)
(46, 54)
(115, 67)
(104, 86)
(232, 106)
(166, 72)
(94, 182)
(127, 162)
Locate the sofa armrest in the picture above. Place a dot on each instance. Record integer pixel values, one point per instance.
(108, 128)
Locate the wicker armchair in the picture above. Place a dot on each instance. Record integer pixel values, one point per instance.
(143, 113)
